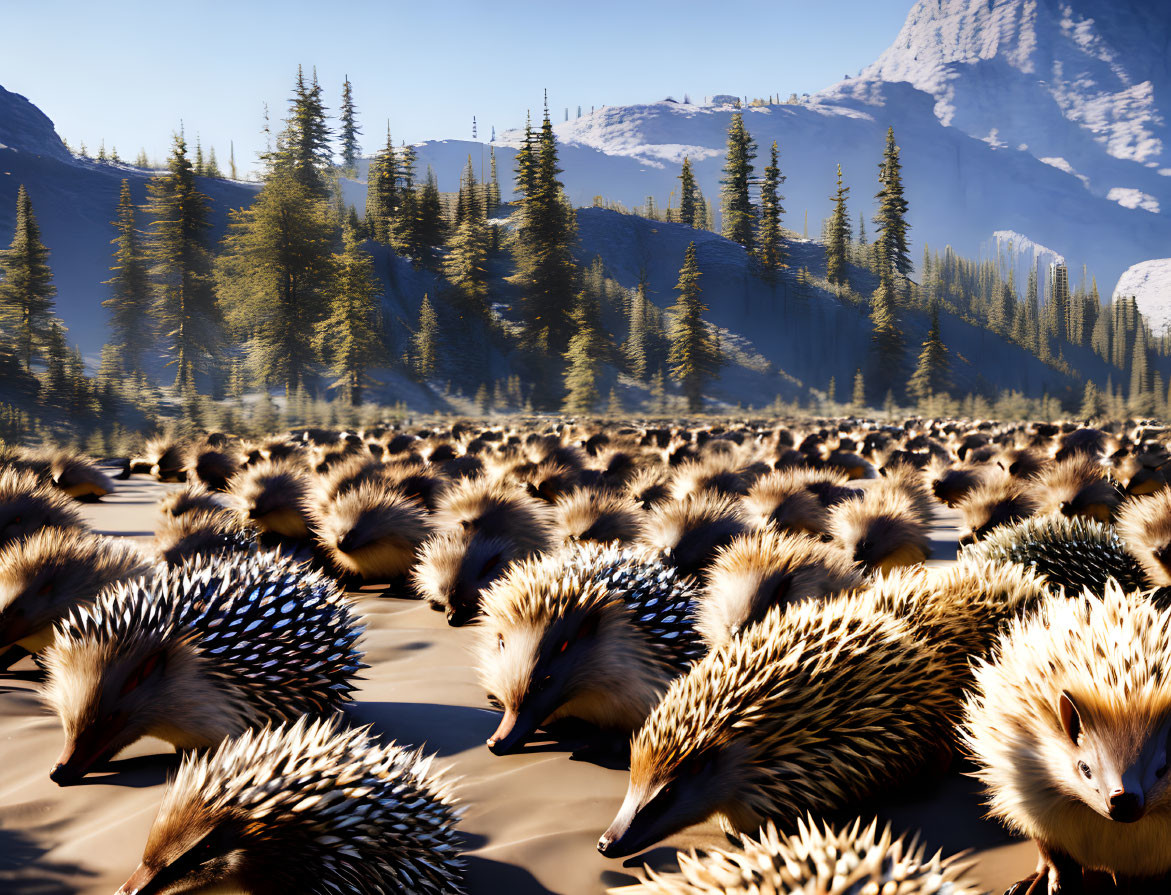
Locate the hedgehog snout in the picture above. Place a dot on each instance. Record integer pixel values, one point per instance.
(1124, 806)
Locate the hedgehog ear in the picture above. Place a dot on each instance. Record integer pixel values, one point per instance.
(1071, 719)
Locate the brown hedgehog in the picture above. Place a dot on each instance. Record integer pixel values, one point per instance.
(1002, 500)
(816, 707)
(78, 476)
(548, 481)
(455, 569)
(951, 483)
(28, 505)
(1086, 443)
(188, 499)
(585, 514)
(163, 457)
(711, 474)
(495, 510)
(857, 860)
(1145, 525)
(201, 532)
(344, 476)
(212, 465)
(1077, 486)
(52, 571)
(795, 500)
(1021, 463)
(881, 530)
(371, 531)
(274, 496)
(649, 487)
(415, 481)
(689, 532)
(764, 569)
(1069, 726)
(594, 633)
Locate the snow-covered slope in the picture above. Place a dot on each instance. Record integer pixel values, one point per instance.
(1150, 283)
(74, 201)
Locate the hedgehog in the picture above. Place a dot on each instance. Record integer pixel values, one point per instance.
(27, 505)
(547, 481)
(78, 476)
(1077, 486)
(817, 706)
(1145, 526)
(814, 860)
(795, 500)
(588, 515)
(1002, 500)
(764, 569)
(455, 568)
(711, 474)
(595, 633)
(1085, 443)
(1072, 553)
(1068, 724)
(689, 532)
(883, 529)
(371, 531)
(164, 458)
(53, 570)
(201, 531)
(195, 654)
(952, 483)
(311, 807)
(1021, 463)
(649, 487)
(495, 510)
(212, 465)
(273, 496)
(188, 499)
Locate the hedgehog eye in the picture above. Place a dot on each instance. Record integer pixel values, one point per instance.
(1085, 769)
(564, 646)
(142, 672)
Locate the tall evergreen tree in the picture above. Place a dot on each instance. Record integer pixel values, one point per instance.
(382, 192)
(838, 236)
(273, 278)
(303, 146)
(931, 374)
(886, 338)
(348, 340)
(770, 245)
(432, 228)
(180, 265)
(1092, 403)
(526, 162)
(492, 192)
(894, 257)
(130, 295)
(739, 215)
(26, 286)
(688, 193)
(587, 347)
(693, 354)
(350, 129)
(466, 263)
(425, 342)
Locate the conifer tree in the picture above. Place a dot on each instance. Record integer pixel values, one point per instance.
(56, 361)
(886, 338)
(688, 193)
(466, 263)
(891, 219)
(739, 216)
(213, 167)
(350, 129)
(693, 354)
(770, 246)
(382, 192)
(858, 398)
(492, 192)
(526, 157)
(931, 374)
(432, 228)
(348, 340)
(180, 263)
(1092, 404)
(838, 236)
(425, 342)
(26, 287)
(200, 169)
(141, 161)
(130, 295)
(303, 146)
(273, 278)
(587, 347)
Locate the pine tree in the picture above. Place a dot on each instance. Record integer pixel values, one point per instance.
(770, 246)
(931, 374)
(466, 263)
(688, 193)
(303, 146)
(1092, 404)
(492, 203)
(382, 193)
(213, 167)
(130, 295)
(739, 216)
(425, 342)
(350, 130)
(858, 398)
(141, 161)
(432, 228)
(587, 348)
(180, 263)
(893, 253)
(886, 338)
(526, 163)
(693, 354)
(348, 340)
(200, 168)
(26, 287)
(1140, 399)
(273, 278)
(838, 236)
(56, 361)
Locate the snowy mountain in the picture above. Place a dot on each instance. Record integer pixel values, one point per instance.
(1150, 284)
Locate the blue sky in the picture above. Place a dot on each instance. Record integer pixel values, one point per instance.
(128, 72)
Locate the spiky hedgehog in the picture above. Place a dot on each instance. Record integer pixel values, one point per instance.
(195, 654)
(27, 505)
(594, 633)
(1074, 553)
(1068, 724)
(1145, 524)
(815, 707)
(855, 860)
(311, 807)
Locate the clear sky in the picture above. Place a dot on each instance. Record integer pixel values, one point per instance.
(128, 72)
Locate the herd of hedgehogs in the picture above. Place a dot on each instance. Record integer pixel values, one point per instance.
(742, 613)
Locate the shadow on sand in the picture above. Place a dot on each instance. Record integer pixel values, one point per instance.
(23, 870)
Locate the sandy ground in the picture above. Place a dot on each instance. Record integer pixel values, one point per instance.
(532, 820)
